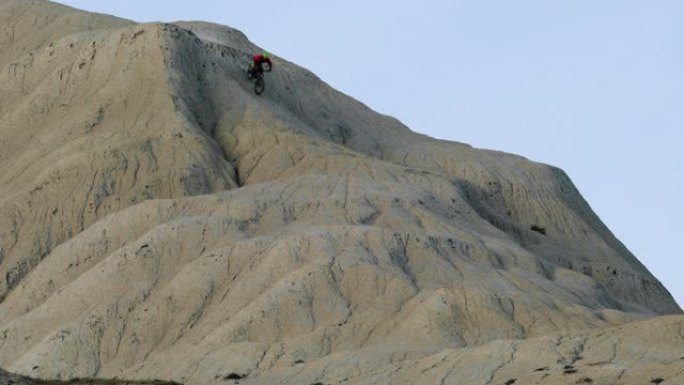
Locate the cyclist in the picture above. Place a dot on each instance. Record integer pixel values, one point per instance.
(258, 60)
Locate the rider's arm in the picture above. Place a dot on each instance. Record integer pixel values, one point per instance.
(270, 64)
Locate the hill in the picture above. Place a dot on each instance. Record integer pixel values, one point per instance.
(160, 220)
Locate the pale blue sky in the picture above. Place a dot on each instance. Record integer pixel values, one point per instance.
(595, 87)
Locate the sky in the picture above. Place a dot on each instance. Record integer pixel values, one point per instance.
(593, 87)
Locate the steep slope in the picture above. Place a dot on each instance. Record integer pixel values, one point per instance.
(159, 220)
(88, 128)
(638, 353)
(30, 25)
(511, 193)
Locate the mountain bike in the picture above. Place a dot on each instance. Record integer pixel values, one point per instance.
(258, 74)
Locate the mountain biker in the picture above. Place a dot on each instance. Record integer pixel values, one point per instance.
(258, 60)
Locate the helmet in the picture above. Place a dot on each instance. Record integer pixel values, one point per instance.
(265, 55)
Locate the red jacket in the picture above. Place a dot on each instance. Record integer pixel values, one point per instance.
(259, 59)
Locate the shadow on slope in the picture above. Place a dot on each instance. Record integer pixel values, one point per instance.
(7, 378)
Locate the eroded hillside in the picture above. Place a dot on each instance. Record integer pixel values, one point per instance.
(160, 220)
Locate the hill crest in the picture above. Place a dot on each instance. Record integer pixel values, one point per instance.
(158, 219)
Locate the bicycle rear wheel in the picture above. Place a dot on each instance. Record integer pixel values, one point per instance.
(259, 85)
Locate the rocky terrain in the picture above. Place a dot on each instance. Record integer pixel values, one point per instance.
(158, 220)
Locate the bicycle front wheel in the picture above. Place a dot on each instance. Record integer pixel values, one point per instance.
(259, 86)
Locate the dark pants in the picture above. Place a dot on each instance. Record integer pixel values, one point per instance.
(257, 70)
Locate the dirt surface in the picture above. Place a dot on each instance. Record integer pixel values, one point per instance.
(160, 220)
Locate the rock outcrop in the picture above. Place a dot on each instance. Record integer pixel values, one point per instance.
(160, 220)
